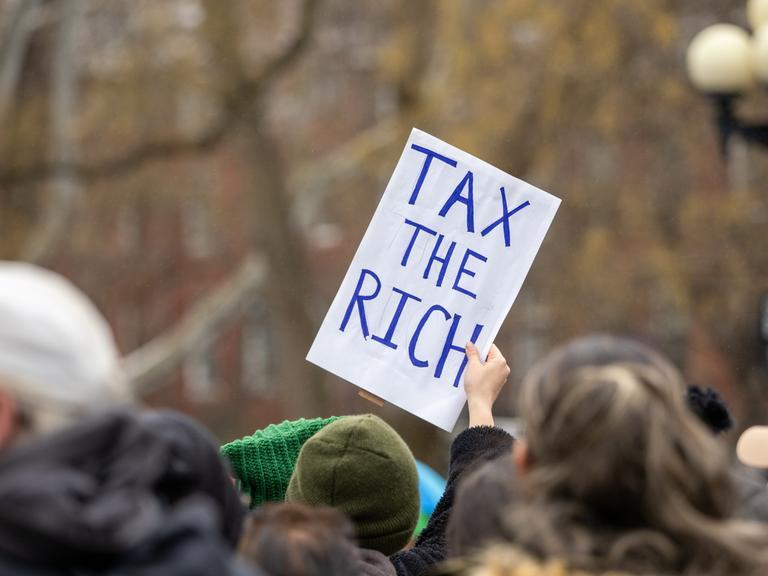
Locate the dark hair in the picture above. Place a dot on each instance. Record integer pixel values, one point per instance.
(296, 540)
(478, 513)
(193, 466)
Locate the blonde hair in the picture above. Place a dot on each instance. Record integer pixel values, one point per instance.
(622, 475)
(38, 415)
(510, 561)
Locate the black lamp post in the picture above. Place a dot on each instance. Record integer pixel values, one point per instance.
(725, 62)
(729, 124)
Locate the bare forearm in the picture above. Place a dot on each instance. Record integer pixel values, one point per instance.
(480, 413)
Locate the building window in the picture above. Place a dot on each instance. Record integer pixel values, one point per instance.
(128, 326)
(200, 374)
(257, 352)
(128, 229)
(197, 232)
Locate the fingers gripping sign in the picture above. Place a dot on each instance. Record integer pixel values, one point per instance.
(483, 382)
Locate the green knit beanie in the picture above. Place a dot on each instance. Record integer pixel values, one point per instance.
(263, 462)
(361, 466)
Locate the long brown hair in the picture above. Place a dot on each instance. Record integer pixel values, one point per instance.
(622, 475)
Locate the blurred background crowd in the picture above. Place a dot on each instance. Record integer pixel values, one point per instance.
(204, 170)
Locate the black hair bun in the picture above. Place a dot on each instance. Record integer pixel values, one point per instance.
(711, 409)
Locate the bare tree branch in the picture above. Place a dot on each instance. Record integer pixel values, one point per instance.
(312, 181)
(235, 106)
(64, 186)
(16, 33)
(349, 155)
(419, 18)
(146, 366)
(292, 51)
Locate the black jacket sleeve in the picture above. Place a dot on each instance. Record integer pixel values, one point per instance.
(470, 448)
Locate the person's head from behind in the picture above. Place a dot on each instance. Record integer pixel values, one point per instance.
(297, 540)
(58, 359)
(193, 466)
(361, 466)
(479, 510)
(612, 450)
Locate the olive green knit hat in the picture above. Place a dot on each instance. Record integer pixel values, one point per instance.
(361, 466)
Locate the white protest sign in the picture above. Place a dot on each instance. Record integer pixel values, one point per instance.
(441, 263)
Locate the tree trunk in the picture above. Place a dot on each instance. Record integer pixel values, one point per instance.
(16, 33)
(64, 185)
(282, 244)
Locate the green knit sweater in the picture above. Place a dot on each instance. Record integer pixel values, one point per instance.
(263, 462)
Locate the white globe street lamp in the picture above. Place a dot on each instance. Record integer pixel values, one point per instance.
(724, 62)
(760, 54)
(719, 60)
(757, 13)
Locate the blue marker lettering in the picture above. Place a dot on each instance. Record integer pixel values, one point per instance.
(443, 261)
(467, 200)
(425, 168)
(449, 346)
(504, 220)
(415, 338)
(404, 297)
(464, 270)
(359, 299)
(417, 228)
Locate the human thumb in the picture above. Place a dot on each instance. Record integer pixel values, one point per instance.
(472, 353)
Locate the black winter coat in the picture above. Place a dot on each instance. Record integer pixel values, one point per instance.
(469, 449)
(115, 494)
